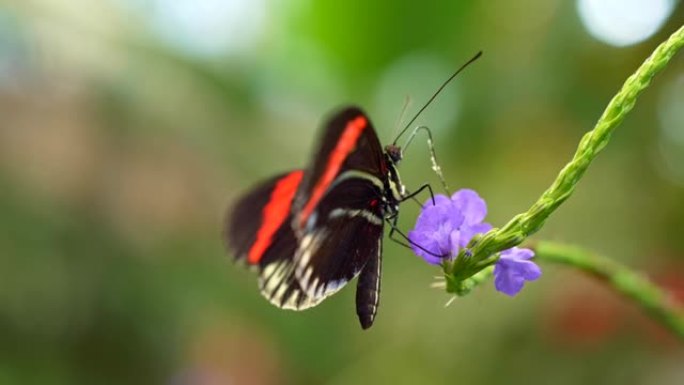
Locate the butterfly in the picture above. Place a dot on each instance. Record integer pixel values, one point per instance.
(310, 231)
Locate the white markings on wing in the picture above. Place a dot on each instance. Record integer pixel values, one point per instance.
(351, 213)
(274, 274)
(357, 174)
(378, 271)
(312, 285)
(279, 286)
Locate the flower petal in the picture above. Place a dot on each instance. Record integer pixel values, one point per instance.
(426, 242)
(430, 238)
(509, 284)
(468, 232)
(432, 217)
(529, 270)
(517, 253)
(473, 208)
(455, 241)
(440, 199)
(514, 268)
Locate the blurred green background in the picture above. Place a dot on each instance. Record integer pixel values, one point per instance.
(128, 126)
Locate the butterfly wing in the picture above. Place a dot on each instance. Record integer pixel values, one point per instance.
(349, 143)
(338, 213)
(347, 225)
(259, 231)
(345, 241)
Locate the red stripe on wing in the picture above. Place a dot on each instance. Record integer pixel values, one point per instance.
(344, 147)
(274, 214)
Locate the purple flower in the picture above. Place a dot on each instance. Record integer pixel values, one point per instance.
(474, 210)
(448, 225)
(431, 236)
(514, 268)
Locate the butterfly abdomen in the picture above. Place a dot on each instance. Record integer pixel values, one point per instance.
(368, 290)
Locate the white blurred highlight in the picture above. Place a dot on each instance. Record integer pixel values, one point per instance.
(206, 28)
(624, 22)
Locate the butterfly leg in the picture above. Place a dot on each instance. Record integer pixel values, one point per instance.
(420, 190)
(392, 221)
(433, 156)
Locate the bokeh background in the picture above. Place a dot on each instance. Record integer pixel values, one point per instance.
(128, 126)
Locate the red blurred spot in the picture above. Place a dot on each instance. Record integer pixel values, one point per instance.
(587, 312)
(671, 278)
(583, 314)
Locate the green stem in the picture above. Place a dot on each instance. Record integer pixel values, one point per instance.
(463, 287)
(478, 257)
(654, 300)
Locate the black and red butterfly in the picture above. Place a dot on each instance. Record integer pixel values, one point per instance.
(311, 231)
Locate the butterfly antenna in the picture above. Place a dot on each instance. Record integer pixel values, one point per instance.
(477, 56)
(407, 101)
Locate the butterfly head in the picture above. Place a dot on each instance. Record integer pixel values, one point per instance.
(393, 153)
